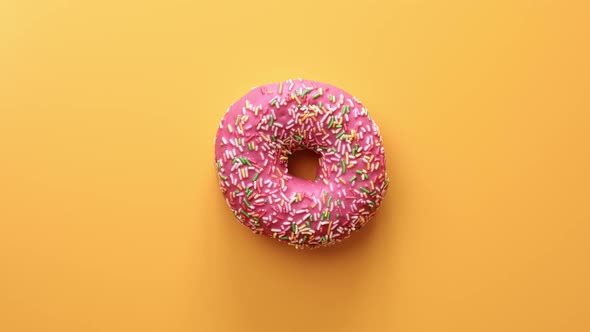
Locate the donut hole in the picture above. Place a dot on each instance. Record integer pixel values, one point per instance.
(304, 164)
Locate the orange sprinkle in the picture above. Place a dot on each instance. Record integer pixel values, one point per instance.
(281, 88)
(326, 181)
(342, 180)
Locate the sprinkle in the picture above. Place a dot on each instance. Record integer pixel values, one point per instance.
(340, 134)
(332, 98)
(272, 120)
(352, 179)
(343, 167)
(365, 190)
(256, 176)
(305, 92)
(294, 227)
(244, 213)
(273, 102)
(299, 138)
(247, 203)
(331, 122)
(281, 88)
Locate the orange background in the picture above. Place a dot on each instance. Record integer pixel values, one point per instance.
(110, 215)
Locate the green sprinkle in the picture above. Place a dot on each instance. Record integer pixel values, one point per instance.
(250, 146)
(311, 217)
(339, 126)
(338, 202)
(272, 120)
(365, 177)
(333, 149)
(256, 176)
(273, 102)
(238, 119)
(331, 122)
(245, 213)
(332, 98)
(308, 224)
(320, 104)
(337, 215)
(294, 227)
(358, 171)
(374, 193)
(352, 179)
(329, 200)
(299, 138)
(317, 95)
(345, 109)
(340, 134)
(284, 237)
(247, 203)
(306, 92)
(365, 190)
(304, 239)
(245, 161)
(343, 166)
(274, 138)
(236, 192)
(223, 176)
(324, 239)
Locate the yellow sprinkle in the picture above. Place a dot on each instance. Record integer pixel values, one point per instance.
(326, 181)
(281, 88)
(347, 163)
(298, 101)
(230, 128)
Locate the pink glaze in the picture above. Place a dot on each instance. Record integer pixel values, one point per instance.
(260, 131)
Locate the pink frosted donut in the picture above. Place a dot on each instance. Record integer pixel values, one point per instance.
(264, 127)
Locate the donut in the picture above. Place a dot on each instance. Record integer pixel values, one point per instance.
(261, 130)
